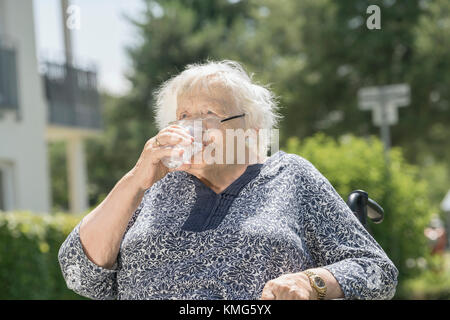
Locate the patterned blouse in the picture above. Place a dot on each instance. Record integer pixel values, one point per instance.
(186, 242)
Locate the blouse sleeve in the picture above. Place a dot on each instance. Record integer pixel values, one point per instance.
(81, 274)
(339, 243)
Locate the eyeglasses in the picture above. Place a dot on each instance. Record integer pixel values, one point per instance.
(233, 117)
(210, 121)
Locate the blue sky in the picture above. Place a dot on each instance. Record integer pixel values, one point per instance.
(101, 39)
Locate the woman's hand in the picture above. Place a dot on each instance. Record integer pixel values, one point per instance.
(149, 168)
(296, 286)
(291, 286)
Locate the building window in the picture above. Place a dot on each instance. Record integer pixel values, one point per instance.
(8, 78)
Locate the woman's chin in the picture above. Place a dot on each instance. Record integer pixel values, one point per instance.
(200, 166)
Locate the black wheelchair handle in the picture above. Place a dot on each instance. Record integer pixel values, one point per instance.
(374, 211)
(363, 207)
(357, 202)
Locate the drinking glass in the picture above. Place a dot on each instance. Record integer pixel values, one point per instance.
(196, 130)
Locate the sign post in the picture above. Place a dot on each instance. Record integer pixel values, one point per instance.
(384, 102)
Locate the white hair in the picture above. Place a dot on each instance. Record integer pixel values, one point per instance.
(257, 101)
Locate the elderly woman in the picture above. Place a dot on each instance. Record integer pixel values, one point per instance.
(271, 228)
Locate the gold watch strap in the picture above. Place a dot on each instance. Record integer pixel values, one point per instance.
(321, 292)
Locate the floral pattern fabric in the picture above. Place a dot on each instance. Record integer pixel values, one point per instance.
(287, 219)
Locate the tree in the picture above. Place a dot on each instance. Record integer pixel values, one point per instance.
(318, 53)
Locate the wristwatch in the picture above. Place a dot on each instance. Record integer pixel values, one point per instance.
(317, 283)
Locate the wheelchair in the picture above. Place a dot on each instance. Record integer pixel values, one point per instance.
(365, 208)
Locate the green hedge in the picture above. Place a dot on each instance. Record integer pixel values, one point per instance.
(433, 283)
(29, 245)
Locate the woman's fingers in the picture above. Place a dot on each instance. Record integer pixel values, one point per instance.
(267, 296)
(267, 293)
(173, 138)
(172, 132)
(161, 152)
(286, 287)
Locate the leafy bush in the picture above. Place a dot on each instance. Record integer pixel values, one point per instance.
(351, 163)
(433, 283)
(29, 245)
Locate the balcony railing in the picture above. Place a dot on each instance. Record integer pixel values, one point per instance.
(72, 95)
(8, 77)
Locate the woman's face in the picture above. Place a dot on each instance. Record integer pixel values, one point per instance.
(216, 103)
(201, 105)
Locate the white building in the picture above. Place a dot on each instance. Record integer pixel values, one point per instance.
(35, 109)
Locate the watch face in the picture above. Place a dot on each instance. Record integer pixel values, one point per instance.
(319, 282)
